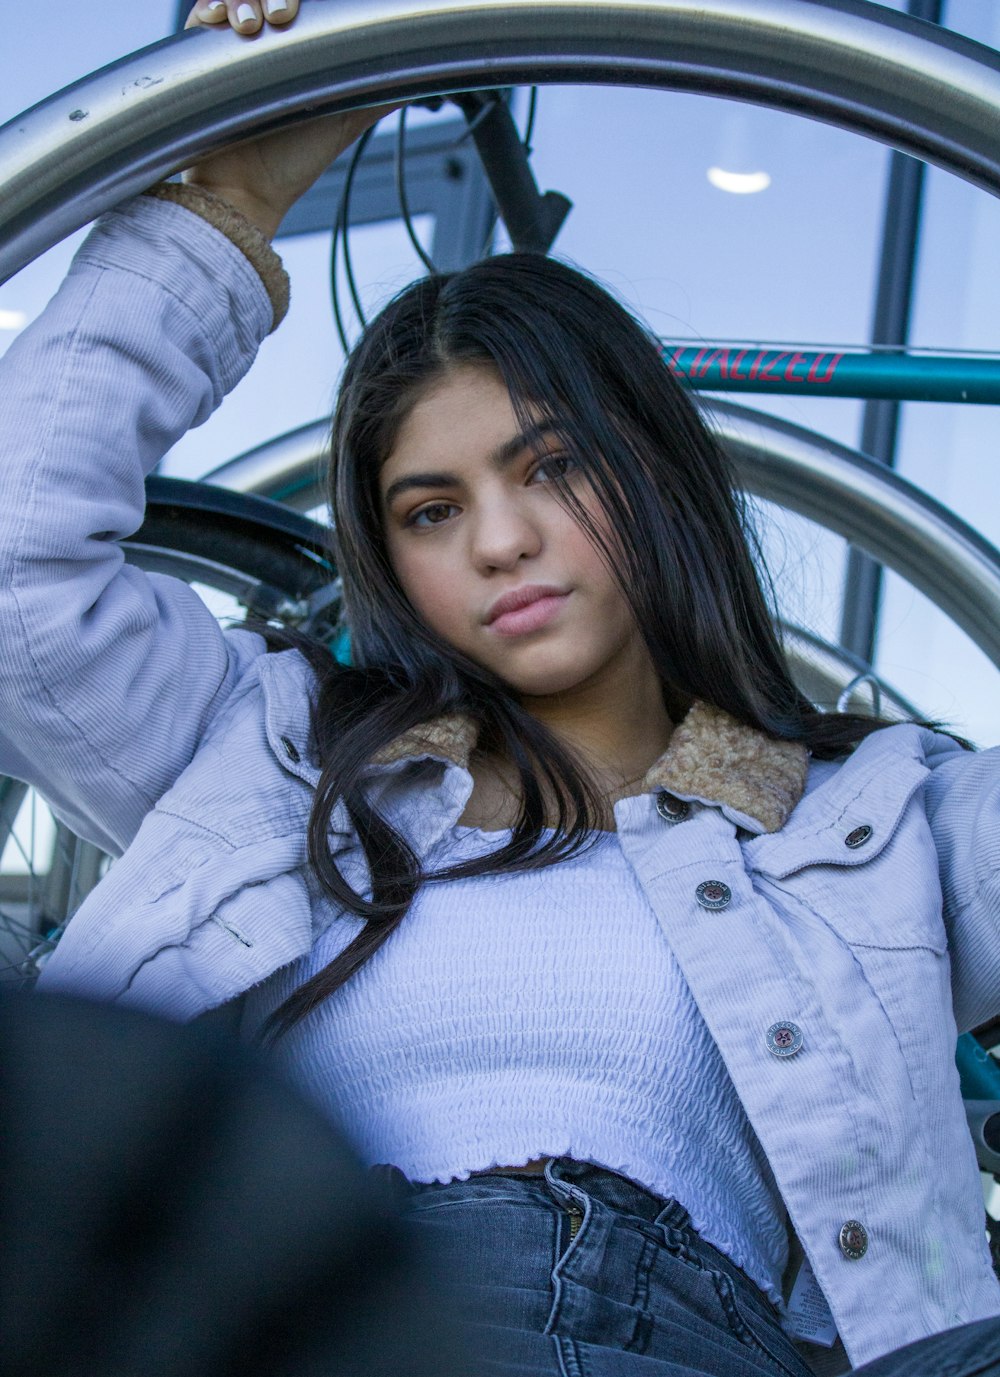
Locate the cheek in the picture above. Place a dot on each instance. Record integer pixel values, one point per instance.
(434, 593)
(590, 564)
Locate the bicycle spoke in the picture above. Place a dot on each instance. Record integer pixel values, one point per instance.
(15, 927)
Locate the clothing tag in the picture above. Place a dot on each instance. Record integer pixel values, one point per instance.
(807, 1315)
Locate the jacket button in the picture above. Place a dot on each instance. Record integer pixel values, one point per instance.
(784, 1039)
(713, 894)
(853, 1240)
(858, 837)
(291, 750)
(671, 809)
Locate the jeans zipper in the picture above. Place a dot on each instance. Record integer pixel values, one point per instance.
(575, 1220)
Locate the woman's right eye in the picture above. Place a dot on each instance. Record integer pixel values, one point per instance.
(436, 513)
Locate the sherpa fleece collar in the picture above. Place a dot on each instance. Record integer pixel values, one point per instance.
(711, 757)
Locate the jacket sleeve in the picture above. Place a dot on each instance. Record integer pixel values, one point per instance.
(963, 806)
(108, 676)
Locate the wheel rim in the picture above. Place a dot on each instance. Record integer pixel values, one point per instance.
(876, 509)
(849, 62)
(853, 63)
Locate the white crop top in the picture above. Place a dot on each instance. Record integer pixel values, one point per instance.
(539, 1014)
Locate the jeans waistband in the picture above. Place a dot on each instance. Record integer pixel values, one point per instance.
(620, 1192)
(561, 1173)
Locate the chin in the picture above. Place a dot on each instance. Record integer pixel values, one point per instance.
(546, 685)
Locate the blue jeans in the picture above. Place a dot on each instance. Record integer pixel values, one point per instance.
(582, 1273)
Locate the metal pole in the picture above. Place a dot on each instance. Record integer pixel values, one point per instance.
(890, 325)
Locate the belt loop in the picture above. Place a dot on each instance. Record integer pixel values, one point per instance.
(673, 1215)
(550, 1174)
(556, 1181)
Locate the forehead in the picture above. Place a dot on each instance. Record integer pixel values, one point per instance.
(462, 416)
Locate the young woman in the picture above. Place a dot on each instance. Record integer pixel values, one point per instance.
(639, 973)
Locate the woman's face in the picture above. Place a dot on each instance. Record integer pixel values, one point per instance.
(489, 556)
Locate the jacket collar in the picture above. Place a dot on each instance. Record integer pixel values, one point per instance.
(711, 757)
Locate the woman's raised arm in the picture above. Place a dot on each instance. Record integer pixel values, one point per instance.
(264, 178)
(109, 677)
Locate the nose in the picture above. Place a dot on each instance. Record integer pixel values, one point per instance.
(502, 534)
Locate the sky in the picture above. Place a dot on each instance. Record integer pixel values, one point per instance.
(67, 41)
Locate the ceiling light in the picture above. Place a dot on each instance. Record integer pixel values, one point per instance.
(13, 320)
(739, 183)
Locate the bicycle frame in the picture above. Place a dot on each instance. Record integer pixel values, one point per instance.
(808, 372)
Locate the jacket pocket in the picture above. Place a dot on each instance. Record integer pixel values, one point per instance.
(869, 869)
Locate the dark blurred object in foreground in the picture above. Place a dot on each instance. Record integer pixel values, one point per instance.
(168, 1206)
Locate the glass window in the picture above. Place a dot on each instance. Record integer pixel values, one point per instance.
(648, 172)
(294, 378)
(793, 261)
(951, 450)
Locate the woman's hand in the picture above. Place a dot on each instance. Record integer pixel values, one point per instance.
(264, 177)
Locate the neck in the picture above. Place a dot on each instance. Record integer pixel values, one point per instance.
(618, 724)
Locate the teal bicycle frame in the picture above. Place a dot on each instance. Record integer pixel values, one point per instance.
(789, 369)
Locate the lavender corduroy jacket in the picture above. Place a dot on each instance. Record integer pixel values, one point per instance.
(185, 751)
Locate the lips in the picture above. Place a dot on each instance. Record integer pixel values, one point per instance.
(525, 609)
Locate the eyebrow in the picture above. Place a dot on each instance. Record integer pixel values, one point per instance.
(499, 458)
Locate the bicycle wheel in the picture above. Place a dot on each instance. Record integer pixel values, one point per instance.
(247, 556)
(841, 489)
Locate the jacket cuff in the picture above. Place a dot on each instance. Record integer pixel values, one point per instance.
(240, 231)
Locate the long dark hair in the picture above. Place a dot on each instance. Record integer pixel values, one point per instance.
(684, 554)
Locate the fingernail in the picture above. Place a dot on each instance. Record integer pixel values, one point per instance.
(246, 14)
(214, 7)
(277, 6)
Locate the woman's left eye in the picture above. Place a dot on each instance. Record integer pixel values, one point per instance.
(553, 466)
